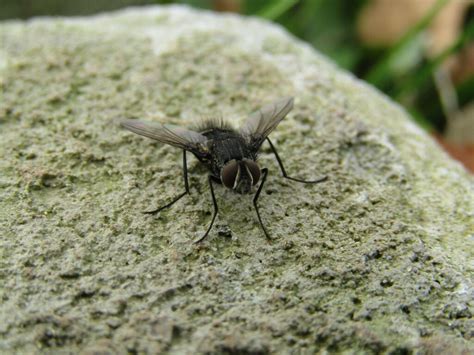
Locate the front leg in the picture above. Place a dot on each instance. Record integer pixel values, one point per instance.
(186, 187)
(283, 171)
(264, 177)
(214, 202)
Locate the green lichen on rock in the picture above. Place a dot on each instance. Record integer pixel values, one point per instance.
(379, 258)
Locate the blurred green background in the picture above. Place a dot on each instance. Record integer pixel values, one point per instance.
(410, 60)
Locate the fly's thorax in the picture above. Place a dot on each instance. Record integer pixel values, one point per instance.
(240, 175)
(227, 145)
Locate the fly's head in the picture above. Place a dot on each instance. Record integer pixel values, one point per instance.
(240, 175)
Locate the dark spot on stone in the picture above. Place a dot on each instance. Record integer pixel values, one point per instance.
(71, 274)
(386, 283)
(176, 331)
(224, 231)
(376, 254)
(288, 245)
(405, 309)
(327, 274)
(400, 351)
(310, 308)
(84, 294)
(28, 263)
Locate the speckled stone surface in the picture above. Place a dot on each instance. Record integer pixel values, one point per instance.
(379, 258)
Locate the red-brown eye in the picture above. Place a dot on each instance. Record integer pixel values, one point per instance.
(229, 174)
(254, 170)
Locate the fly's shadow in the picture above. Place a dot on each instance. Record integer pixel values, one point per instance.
(230, 155)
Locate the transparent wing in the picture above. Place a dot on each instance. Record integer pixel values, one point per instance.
(168, 134)
(260, 123)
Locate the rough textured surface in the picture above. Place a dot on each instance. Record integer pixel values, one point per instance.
(379, 258)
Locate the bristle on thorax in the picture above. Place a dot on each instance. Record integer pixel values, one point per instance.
(213, 123)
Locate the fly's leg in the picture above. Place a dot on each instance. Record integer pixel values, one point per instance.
(264, 177)
(283, 171)
(186, 187)
(214, 202)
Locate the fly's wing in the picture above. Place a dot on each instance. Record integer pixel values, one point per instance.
(168, 134)
(260, 123)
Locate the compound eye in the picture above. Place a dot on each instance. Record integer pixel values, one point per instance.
(254, 170)
(229, 174)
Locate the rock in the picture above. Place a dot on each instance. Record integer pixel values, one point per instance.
(377, 259)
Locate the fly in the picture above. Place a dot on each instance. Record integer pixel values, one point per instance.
(230, 155)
